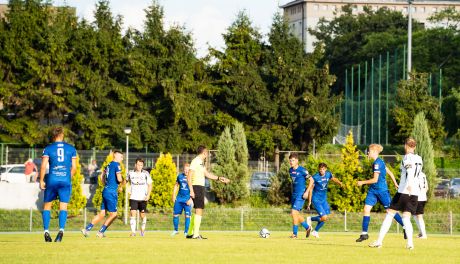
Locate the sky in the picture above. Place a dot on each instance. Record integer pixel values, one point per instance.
(207, 20)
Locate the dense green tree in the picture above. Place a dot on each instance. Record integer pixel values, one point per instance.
(280, 189)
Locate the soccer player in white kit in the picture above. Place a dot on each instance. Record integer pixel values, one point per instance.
(405, 200)
(422, 198)
(141, 187)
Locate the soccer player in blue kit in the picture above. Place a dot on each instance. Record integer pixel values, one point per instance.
(299, 176)
(111, 178)
(182, 201)
(378, 190)
(317, 186)
(62, 159)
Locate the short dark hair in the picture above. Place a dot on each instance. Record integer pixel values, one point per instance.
(57, 131)
(139, 159)
(322, 165)
(117, 151)
(294, 156)
(200, 149)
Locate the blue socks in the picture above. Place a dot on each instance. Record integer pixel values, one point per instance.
(46, 216)
(62, 219)
(176, 222)
(366, 221)
(295, 229)
(89, 227)
(103, 228)
(319, 225)
(304, 224)
(316, 218)
(399, 219)
(187, 224)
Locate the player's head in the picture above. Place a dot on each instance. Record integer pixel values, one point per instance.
(58, 134)
(186, 168)
(374, 151)
(322, 168)
(410, 145)
(202, 151)
(117, 156)
(139, 164)
(294, 160)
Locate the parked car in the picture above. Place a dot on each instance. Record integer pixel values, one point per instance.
(13, 173)
(454, 189)
(260, 181)
(442, 189)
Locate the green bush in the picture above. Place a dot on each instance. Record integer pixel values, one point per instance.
(280, 187)
(163, 179)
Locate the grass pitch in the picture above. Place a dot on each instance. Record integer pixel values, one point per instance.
(224, 247)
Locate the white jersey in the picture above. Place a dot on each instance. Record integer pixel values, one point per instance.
(139, 182)
(423, 184)
(411, 166)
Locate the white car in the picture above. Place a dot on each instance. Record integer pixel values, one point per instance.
(13, 173)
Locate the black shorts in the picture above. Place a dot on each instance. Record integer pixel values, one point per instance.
(420, 208)
(138, 205)
(198, 201)
(404, 203)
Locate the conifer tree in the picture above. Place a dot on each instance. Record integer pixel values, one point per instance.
(279, 192)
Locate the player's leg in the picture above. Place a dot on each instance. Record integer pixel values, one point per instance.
(396, 205)
(199, 207)
(50, 195)
(369, 202)
(133, 205)
(64, 198)
(177, 211)
(324, 216)
(410, 206)
(111, 201)
(188, 213)
(142, 209)
(295, 227)
(418, 217)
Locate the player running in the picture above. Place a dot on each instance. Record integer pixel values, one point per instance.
(110, 178)
(299, 176)
(62, 160)
(182, 200)
(378, 190)
(405, 200)
(422, 198)
(141, 187)
(317, 187)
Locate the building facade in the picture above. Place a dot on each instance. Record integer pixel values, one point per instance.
(304, 14)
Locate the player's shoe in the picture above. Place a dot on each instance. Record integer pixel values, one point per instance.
(199, 237)
(142, 233)
(362, 237)
(375, 244)
(315, 234)
(174, 233)
(404, 232)
(189, 236)
(132, 234)
(100, 235)
(421, 236)
(307, 231)
(293, 236)
(410, 247)
(85, 232)
(59, 236)
(48, 237)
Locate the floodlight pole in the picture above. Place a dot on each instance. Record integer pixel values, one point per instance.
(409, 39)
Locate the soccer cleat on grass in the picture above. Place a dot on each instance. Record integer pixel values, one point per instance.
(85, 233)
(189, 236)
(421, 236)
(409, 247)
(199, 237)
(315, 234)
(293, 236)
(100, 235)
(48, 237)
(375, 244)
(59, 236)
(404, 232)
(362, 237)
(142, 233)
(174, 233)
(132, 234)
(308, 230)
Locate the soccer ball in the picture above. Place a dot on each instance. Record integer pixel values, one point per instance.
(264, 233)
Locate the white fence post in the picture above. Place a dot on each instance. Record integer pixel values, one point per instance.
(30, 219)
(450, 222)
(345, 221)
(241, 220)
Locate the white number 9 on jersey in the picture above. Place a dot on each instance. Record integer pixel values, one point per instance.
(60, 154)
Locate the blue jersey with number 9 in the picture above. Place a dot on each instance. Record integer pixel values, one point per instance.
(60, 156)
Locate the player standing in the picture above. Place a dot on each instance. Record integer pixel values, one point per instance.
(422, 198)
(378, 190)
(62, 160)
(110, 178)
(182, 200)
(299, 176)
(405, 200)
(196, 181)
(317, 186)
(141, 187)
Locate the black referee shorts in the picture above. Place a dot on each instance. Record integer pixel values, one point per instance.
(420, 208)
(198, 201)
(404, 203)
(138, 205)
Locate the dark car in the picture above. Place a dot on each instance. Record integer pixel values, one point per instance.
(260, 181)
(442, 189)
(454, 188)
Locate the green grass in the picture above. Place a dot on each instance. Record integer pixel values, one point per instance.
(224, 247)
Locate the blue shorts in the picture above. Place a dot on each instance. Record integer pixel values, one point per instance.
(297, 204)
(109, 201)
(59, 189)
(374, 196)
(321, 207)
(180, 206)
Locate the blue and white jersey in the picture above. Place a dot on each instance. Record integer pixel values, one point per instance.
(299, 178)
(111, 182)
(60, 155)
(320, 186)
(184, 191)
(379, 167)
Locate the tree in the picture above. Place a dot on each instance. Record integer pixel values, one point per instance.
(425, 150)
(280, 189)
(163, 179)
(412, 98)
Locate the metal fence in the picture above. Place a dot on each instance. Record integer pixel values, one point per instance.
(228, 219)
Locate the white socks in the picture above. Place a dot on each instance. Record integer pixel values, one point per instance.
(132, 222)
(409, 230)
(420, 224)
(144, 223)
(196, 228)
(385, 227)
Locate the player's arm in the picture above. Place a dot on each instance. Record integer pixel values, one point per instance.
(214, 177)
(121, 181)
(74, 167)
(308, 192)
(174, 193)
(337, 181)
(392, 176)
(102, 177)
(45, 160)
(370, 181)
(189, 182)
(149, 191)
